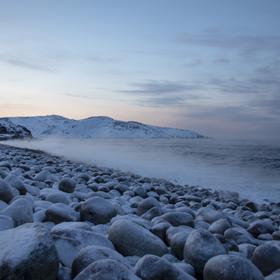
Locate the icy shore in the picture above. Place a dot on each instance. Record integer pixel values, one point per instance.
(61, 219)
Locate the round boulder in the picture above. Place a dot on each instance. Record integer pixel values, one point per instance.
(6, 193)
(231, 267)
(67, 185)
(97, 210)
(267, 258)
(28, 252)
(131, 239)
(106, 269)
(201, 246)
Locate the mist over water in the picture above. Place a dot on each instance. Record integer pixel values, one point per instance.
(252, 169)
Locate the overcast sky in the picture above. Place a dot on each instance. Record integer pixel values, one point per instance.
(211, 66)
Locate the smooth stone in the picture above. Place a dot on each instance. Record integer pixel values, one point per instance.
(239, 235)
(209, 215)
(60, 212)
(6, 193)
(179, 218)
(201, 246)
(261, 227)
(106, 269)
(67, 185)
(20, 211)
(58, 197)
(246, 249)
(267, 258)
(16, 183)
(177, 243)
(219, 226)
(6, 222)
(69, 242)
(146, 204)
(131, 239)
(231, 267)
(274, 276)
(151, 267)
(28, 252)
(91, 254)
(97, 210)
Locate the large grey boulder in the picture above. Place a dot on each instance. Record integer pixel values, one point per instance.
(92, 254)
(132, 239)
(60, 212)
(201, 246)
(6, 193)
(267, 258)
(231, 267)
(70, 240)
(27, 252)
(20, 211)
(152, 267)
(67, 185)
(106, 269)
(6, 222)
(146, 204)
(97, 210)
(177, 218)
(16, 183)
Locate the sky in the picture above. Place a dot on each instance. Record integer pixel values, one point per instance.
(210, 66)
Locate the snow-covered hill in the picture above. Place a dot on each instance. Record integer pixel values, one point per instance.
(9, 130)
(97, 127)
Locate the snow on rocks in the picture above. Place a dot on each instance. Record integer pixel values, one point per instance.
(28, 252)
(108, 224)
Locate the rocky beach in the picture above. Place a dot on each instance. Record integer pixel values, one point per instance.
(61, 219)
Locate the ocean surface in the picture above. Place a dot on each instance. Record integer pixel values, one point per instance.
(248, 167)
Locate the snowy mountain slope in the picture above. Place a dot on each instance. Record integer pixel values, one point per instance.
(9, 130)
(97, 127)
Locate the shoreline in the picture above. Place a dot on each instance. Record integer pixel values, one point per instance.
(85, 212)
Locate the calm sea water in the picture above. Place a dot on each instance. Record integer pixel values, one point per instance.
(250, 168)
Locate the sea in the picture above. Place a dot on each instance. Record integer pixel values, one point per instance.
(251, 168)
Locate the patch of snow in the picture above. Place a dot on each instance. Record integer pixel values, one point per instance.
(97, 127)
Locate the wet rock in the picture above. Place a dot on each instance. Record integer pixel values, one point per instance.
(67, 185)
(201, 246)
(239, 235)
(178, 218)
(97, 210)
(59, 212)
(69, 240)
(91, 254)
(261, 227)
(58, 197)
(20, 211)
(6, 222)
(146, 204)
(6, 193)
(152, 267)
(219, 226)
(106, 269)
(267, 258)
(231, 267)
(274, 276)
(16, 183)
(209, 215)
(132, 239)
(28, 252)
